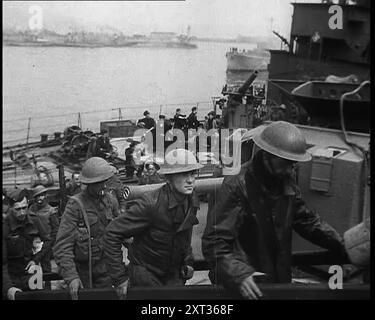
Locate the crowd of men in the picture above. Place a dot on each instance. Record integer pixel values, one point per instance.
(183, 122)
(249, 226)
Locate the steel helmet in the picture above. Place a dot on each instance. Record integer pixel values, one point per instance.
(149, 162)
(96, 170)
(39, 190)
(178, 161)
(284, 140)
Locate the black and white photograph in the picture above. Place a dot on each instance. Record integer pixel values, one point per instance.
(202, 151)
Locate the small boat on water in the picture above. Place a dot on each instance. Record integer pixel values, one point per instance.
(321, 100)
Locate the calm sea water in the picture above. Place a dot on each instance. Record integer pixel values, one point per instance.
(51, 85)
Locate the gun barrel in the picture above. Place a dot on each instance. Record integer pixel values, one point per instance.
(242, 90)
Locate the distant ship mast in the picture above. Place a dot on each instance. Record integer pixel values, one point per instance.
(188, 32)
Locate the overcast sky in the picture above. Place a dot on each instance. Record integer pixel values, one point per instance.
(211, 18)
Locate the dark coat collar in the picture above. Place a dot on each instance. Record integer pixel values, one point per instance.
(257, 171)
(193, 203)
(172, 201)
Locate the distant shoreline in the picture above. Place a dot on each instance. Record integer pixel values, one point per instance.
(135, 44)
(56, 44)
(99, 45)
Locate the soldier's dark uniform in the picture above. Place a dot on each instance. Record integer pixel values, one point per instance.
(71, 247)
(179, 121)
(149, 122)
(250, 227)
(192, 121)
(7, 281)
(102, 146)
(162, 230)
(18, 236)
(49, 222)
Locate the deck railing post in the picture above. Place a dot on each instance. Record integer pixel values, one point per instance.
(79, 120)
(28, 131)
(15, 176)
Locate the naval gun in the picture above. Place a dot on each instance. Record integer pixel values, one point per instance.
(242, 103)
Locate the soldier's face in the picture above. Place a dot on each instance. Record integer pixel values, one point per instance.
(151, 170)
(183, 183)
(40, 198)
(76, 180)
(97, 189)
(279, 167)
(20, 209)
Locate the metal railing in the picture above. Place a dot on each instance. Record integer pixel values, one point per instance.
(300, 259)
(213, 292)
(270, 291)
(31, 127)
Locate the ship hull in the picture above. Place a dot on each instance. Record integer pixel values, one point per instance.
(285, 65)
(245, 62)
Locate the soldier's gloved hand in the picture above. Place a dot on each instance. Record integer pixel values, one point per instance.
(122, 290)
(74, 285)
(249, 289)
(11, 294)
(187, 272)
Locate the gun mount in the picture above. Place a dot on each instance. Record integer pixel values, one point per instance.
(244, 99)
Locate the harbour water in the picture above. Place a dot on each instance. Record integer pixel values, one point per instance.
(52, 85)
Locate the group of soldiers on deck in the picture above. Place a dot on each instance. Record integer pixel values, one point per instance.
(249, 225)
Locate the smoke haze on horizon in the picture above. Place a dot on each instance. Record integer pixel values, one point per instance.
(209, 18)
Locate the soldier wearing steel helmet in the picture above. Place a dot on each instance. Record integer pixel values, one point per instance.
(161, 223)
(83, 223)
(250, 227)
